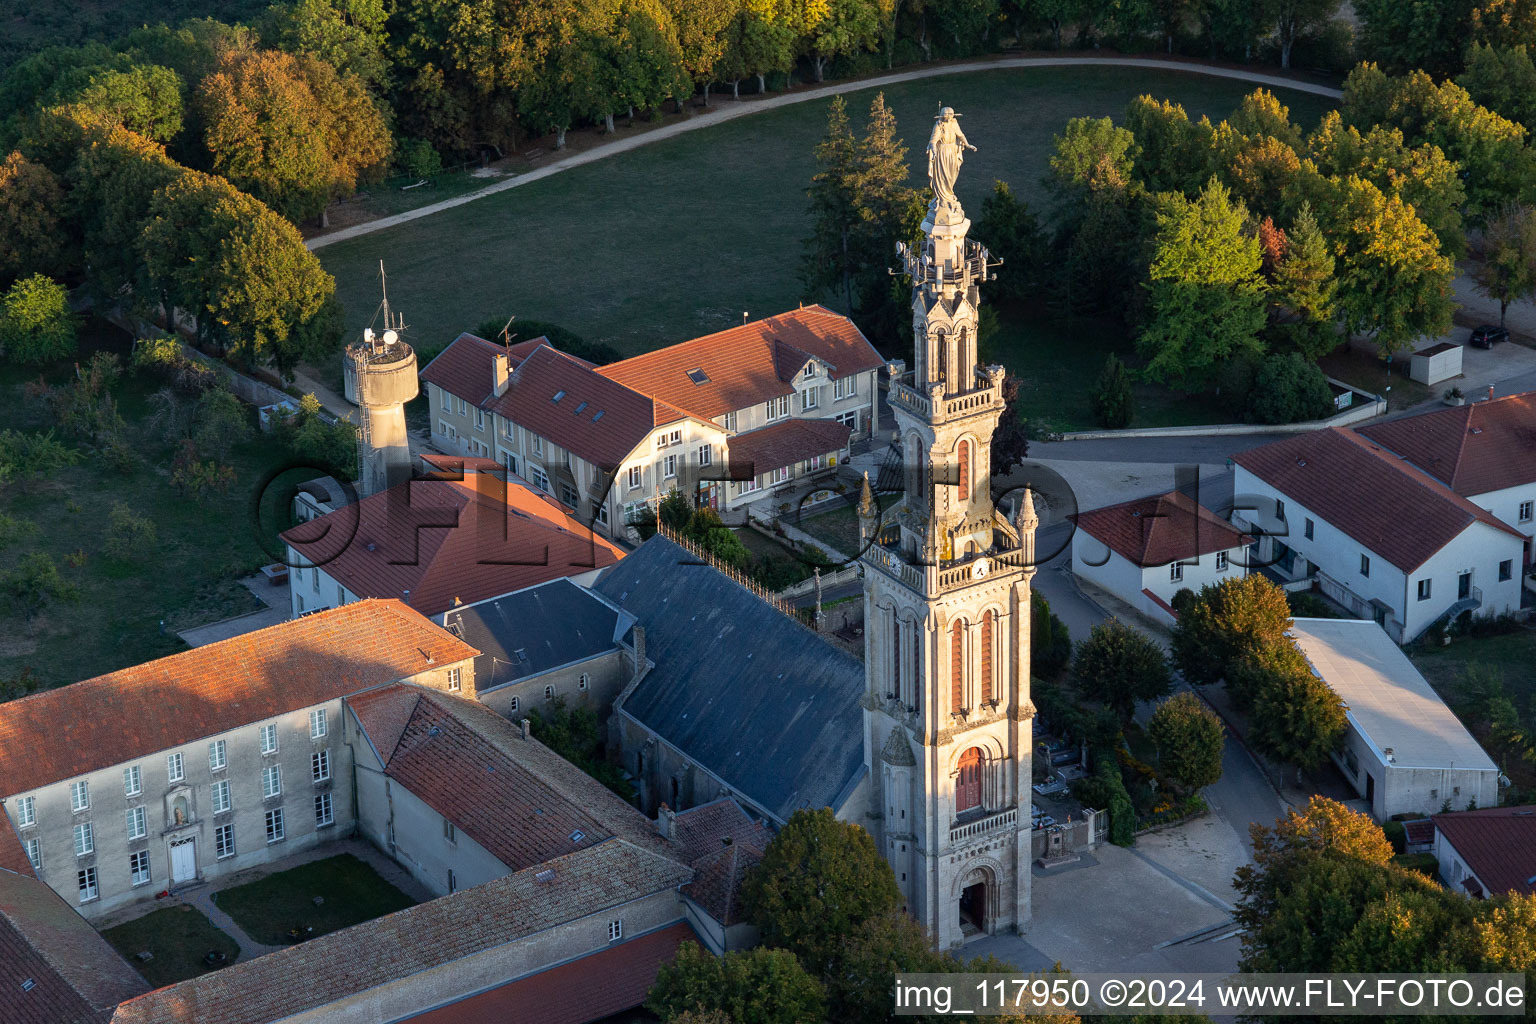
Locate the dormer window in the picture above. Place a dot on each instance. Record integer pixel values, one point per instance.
(809, 371)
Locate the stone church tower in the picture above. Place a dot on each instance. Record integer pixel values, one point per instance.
(947, 719)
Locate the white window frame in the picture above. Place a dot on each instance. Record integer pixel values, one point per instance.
(748, 486)
(512, 705)
(137, 822)
(34, 848)
(222, 803)
(844, 387)
(706, 454)
(616, 929)
(1176, 572)
(175, 767)
(85, 879)
(1527, 510)
(218, 756)
(508, 429)
(479, 418)
(80, 795)
(509, 459)
(549, 692)
(320, 766)
(138, 867)
(778, 476)
(26, 812)
(537, 443)
(133, 780)
(730, 422)
(1222, 561)
(669, 467)
(600, 512)
(317, 724)
(585, 682)
(777, 408)
(277, 829)
(849, 419)
(447, 400)
(325, 810)
(635, 477)
(271, 781)
(224, 842)
(269, 738)
(809, 398)
(450, 833)
(455, 680)
(540, 478)
(85, 839)
(463, 407)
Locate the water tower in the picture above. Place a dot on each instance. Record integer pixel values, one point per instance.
(380, 379)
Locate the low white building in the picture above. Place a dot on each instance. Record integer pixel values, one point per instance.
(1373, 532)
(1147, 550)
(1405, 752)
(1488, 851)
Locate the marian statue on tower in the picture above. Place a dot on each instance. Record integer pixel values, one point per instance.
(946, 151)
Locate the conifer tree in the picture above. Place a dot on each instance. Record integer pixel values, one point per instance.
(1303, 288)
(1113, 405)
(828, 263)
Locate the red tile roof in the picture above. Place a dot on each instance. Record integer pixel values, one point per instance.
(1473, 449)
(723, 843)
(612, 419)
(383, 713)
(783, 444)
(748, 364)
(76, 976)
(1363, 491)
(13, 856)
(596, 986)
(424, 938)
(703, 829)
(467, 537)
(1498, 844)
(105, 721)
(1161, 529)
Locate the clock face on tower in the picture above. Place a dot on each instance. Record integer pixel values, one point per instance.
(980, 569)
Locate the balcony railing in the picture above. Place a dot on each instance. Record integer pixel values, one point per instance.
(1000, 822)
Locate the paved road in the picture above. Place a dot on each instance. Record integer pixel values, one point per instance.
(724, 111)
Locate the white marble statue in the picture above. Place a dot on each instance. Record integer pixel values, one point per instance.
(946, 151)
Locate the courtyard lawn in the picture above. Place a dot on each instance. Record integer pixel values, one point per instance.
(179, 937)
(1510, 655)
(1368, 371)
(838, 527)
(678, 238)
(352, 892)
(187, 577)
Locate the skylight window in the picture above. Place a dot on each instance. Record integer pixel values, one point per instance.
(698, 376)
(558, 395)
(578, 836)
(597, 415)
(580, 407)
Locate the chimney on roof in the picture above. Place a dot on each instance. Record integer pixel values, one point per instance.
(1490, 392)
(666, 821)
(639, 650)
(527, 726)
(499, 374)
(405, 595)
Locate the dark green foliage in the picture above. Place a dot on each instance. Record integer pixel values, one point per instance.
(36, 325)
(1226, 621)
(328, 446)
(1309, 606)
(220, 421)
(572, 732)
(1010, 439)
(35, 581)
(1189, 741)
(569, 342)
(1113, 404)
(129, 534)
(1287, 388)
(1503, 80)
(25, 457)
(1119, 666)
(819, 880)
(1010, 230)
(1050, 645)
(760, 986)
(1296, 717)
(1183, 598)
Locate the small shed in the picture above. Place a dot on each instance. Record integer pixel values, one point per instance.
(1436, 363)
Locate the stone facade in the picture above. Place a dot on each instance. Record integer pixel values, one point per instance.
(947, 617)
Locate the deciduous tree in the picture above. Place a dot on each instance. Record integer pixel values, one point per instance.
(1295, 18)
(1189, 741)
(1297, 718)
(36, 325)
(834, 28)
(819, 880)
(1505, 267)
(1225, 622)
(1120, 666)
(30, 232)
(1092, 153)
(1173, 153)
(349, 35)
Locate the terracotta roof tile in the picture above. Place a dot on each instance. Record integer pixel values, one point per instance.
(467, 537)
(430, 935)
(76, 976)
(1161, 529)
(783, 444)
(13, 856)
(1362, 490)
(383, 713)
(1498, 844)
(748, 364)
(1473, 449)
(165, 703)
(596, 986)
(703, 829)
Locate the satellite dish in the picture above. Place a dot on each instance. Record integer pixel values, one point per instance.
(368, 334)
(390, 337)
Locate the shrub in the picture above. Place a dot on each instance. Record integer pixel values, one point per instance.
(416, 158)
(129, 535)
(25, 456)
(1396, 834)
(220, 422)
(1310, 606)
(35, 581)
(1113, 403)
(1288, 389)
(36, 325)
(199, 479)
(13, 529)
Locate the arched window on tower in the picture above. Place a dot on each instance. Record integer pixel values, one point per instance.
(895, 654)
(987, 690)
(968, 781)
(941, 370)
(957, 666)
(963, 467)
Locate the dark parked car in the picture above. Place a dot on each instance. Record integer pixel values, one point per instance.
(1487, 336)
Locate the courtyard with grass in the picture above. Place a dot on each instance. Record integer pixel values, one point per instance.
(124, 606)
(678, 238)
(349, 892)
(177, 940)
(1470, 672)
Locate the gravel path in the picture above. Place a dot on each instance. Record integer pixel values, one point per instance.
(728, 111)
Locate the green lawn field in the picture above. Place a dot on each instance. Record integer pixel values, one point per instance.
(680, 237)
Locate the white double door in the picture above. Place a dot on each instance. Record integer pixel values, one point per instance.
(184, 860)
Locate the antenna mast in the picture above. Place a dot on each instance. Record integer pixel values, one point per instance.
(398, 323)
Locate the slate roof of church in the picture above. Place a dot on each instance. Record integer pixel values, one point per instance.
(425, 937)
(75, 976)
(740, 688)
(536, 629)
(171, 701)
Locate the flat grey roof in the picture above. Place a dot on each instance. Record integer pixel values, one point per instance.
(1390, 703)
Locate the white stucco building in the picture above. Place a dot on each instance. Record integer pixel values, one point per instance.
(1375, 533)
(1147, 550)
(1405, 752)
